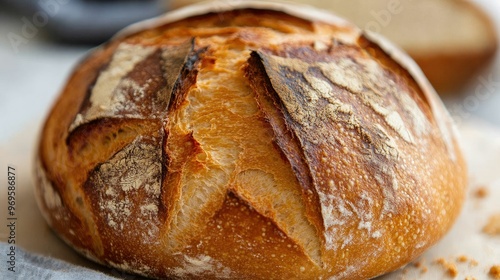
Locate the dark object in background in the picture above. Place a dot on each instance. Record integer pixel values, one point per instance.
(85, 21)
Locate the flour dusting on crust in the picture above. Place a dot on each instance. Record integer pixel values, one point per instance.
(131, 182)
(51, 198)
(201, 265)
(108, 95)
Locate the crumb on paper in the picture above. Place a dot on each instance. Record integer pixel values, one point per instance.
(481, 192)
(495, 272)
(493, 225)
(420, 265)
(464, 259)
(470, 278)
(451, 268)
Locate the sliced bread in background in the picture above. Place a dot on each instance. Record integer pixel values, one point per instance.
(451, 40)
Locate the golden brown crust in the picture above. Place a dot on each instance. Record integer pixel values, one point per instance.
(248, 144)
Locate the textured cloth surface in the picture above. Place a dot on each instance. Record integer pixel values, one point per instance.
(32, 266)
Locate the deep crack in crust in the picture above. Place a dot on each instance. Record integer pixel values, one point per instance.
(247, 144)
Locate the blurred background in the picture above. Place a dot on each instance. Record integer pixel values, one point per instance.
(454, 41)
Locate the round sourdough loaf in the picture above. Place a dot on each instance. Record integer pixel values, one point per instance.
(452, 41)
(249, 141)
